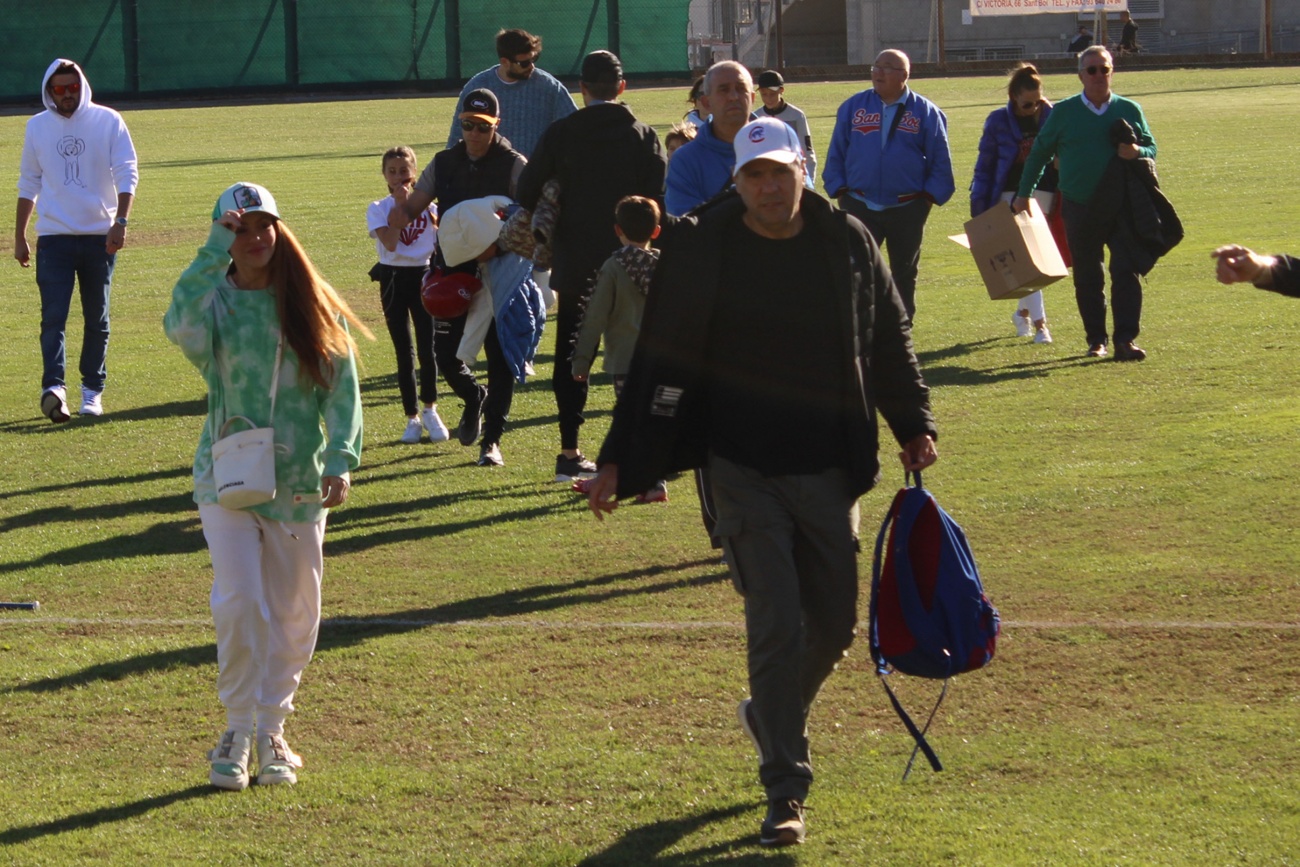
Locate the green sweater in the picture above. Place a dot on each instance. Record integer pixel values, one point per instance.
(1081, 139)
(230, 335)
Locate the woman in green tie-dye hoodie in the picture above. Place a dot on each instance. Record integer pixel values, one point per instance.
(250, 296)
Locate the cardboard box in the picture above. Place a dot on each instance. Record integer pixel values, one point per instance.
(1016, 253)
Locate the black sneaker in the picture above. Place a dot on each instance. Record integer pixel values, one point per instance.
(471, 421)
(572, 469)
(489, 455)
(784, 825)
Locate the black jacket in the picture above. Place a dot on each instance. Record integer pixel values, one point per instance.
(1129, 209)
(660, 420)
(457, 178)
(599, 154)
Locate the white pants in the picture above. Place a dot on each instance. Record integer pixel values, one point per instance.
(266, 608)
(1034, 302)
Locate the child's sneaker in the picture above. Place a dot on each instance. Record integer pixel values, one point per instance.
(414, 430)
(275, 761)
(1042, 335)
(229, 761)
(438, 432)
(657, 494)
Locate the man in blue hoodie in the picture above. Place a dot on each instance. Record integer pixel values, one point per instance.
(889, 163)
(701, 168)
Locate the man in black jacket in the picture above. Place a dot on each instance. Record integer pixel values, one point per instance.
(599, 154)
(772, 335)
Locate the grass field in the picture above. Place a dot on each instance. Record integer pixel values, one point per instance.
(502, 680)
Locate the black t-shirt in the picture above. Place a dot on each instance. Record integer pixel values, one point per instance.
(776, 357)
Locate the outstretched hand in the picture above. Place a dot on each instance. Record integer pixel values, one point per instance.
(1237, 264)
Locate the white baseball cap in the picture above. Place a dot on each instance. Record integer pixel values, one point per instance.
(767, 139)
(248, 197)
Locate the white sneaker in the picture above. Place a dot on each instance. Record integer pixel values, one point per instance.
(413, 431)
(749, 723)
(1042, 335)
(54, 404)
(1024, 327)
(229, 761)
(276, 763)
(438, 432)
(92, 402)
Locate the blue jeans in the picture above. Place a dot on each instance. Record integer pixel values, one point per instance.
(61, 259)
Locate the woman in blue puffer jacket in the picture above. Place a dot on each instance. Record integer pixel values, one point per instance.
(1009, 133)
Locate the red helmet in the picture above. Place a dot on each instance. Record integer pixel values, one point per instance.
(447, 296)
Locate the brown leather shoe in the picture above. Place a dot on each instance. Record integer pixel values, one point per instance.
(1129, 352)
(1097, 350)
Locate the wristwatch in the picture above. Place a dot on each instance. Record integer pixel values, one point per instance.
(120, 221)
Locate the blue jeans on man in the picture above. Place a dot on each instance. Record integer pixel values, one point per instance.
(62, 260)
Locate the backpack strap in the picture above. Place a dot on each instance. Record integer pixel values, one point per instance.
(918, 735)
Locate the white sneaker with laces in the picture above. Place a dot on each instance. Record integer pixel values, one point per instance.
(438, 432)
(1024, 327)
(749, 724)
(229, 761)
(92, 402)
(54, 404)
(275, 761)
(413, 431)
(1042, 335)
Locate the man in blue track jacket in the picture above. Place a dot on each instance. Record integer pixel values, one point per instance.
(889, 163)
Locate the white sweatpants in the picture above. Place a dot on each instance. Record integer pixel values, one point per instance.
(266, 608)
(1034, 301)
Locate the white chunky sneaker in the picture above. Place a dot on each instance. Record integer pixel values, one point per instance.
(229, 761)
(414, 430)
(438, 432)
(54, 404)
(275, 761)
(1024, 327)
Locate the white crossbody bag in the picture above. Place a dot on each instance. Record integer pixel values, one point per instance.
(243, 464)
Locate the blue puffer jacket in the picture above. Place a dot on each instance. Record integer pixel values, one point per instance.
(518, 310)
(1000, 145)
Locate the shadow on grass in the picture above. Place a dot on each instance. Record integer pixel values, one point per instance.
(83, 515)
(166, 537)
(341, 632)
(939, 374)
(645, 845)
(38, 424)
(173, 473)
(102, 816)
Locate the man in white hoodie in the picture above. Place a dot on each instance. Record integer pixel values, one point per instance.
(79, 163)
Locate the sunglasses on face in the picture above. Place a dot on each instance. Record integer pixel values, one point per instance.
(64, 89)
(471, 125)
(1026, 106)
(527, 63)
(1097, 70)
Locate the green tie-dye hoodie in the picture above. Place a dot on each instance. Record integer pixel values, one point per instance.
(230, 335)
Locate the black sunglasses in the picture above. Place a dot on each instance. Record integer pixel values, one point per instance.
(532, 61)
(1026, 106)
(470, 125)
(1094, 70)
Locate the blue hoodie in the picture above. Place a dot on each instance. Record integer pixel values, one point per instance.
(915, 159)
(698, 171)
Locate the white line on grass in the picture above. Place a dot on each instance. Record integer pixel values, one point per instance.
(1173, 625)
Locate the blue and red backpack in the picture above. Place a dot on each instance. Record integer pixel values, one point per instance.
(929, 615)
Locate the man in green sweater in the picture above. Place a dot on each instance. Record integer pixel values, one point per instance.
(1079, 133)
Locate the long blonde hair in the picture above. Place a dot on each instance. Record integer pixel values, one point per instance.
(310, 309)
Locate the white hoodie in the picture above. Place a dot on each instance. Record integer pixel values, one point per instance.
(74, 167)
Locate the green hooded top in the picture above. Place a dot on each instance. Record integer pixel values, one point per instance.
(230, 335)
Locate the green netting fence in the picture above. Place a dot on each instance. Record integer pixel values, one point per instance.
(210, 47)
